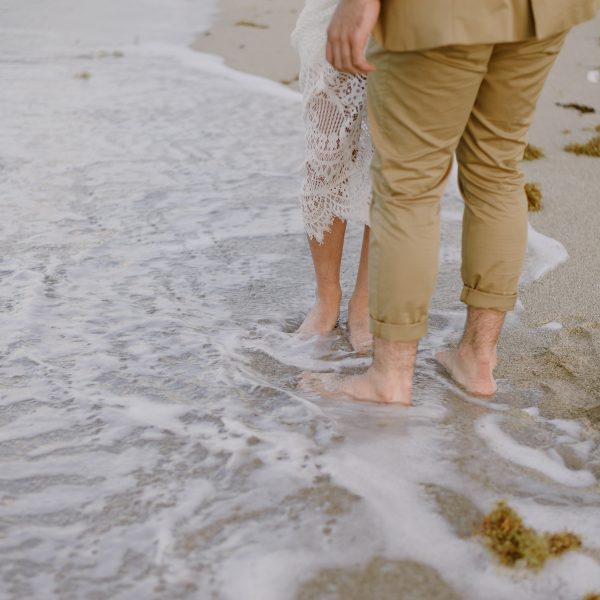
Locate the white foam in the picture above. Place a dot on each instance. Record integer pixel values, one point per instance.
(544, 255)
(88, 23)
(213, 64)
(593, 76)
(552, 326)
(547, 463)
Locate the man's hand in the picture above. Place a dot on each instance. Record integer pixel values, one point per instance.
(347, 35)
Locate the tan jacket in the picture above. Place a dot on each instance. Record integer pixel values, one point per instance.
(407, 25)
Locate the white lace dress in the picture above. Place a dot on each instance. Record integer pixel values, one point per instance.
(336, 179)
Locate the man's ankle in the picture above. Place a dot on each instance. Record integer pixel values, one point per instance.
(391, 385)
(481, 356)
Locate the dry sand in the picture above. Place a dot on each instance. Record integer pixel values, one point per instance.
(254, 37)
(570, 184)
(567, 362)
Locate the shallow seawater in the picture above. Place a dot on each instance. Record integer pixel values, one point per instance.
(153, 440)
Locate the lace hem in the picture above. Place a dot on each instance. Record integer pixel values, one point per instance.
(338, 149)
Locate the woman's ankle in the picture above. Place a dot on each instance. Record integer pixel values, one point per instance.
(329, 295)
(359, 301)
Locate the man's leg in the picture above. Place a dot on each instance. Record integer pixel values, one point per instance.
(472, 363)
(385, 381)
(419, 105)
(495, 218)
(358, 306)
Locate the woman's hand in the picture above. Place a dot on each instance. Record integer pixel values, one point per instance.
(347, 35)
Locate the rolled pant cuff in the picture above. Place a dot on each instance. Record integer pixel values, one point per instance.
(410, 332)
(479, 299)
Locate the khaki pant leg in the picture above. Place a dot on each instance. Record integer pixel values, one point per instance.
(419, 104)
(489, 156)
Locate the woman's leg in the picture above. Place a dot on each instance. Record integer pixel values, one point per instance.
(327, 259)
(337, 184)
(358, 307)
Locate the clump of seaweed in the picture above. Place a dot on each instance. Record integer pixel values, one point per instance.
(533, 153)
(248, 23)
(290, 81)
(592, 596)
(512, 542)
(559, 543)
(83, 75)
(590, 148)
(105, 54)
(534, 197)
(582, 109)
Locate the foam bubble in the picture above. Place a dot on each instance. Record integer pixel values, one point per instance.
(548, 463)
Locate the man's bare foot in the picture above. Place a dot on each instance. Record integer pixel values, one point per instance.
(469, 371)
(323, 316)
(367, 387)
(472, 364)
(361, 338)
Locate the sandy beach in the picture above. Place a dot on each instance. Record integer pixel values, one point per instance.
(154, 440)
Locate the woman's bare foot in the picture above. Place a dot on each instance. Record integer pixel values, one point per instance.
(361, 338)
(469, 371)
(324, 315)
(367, 387)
